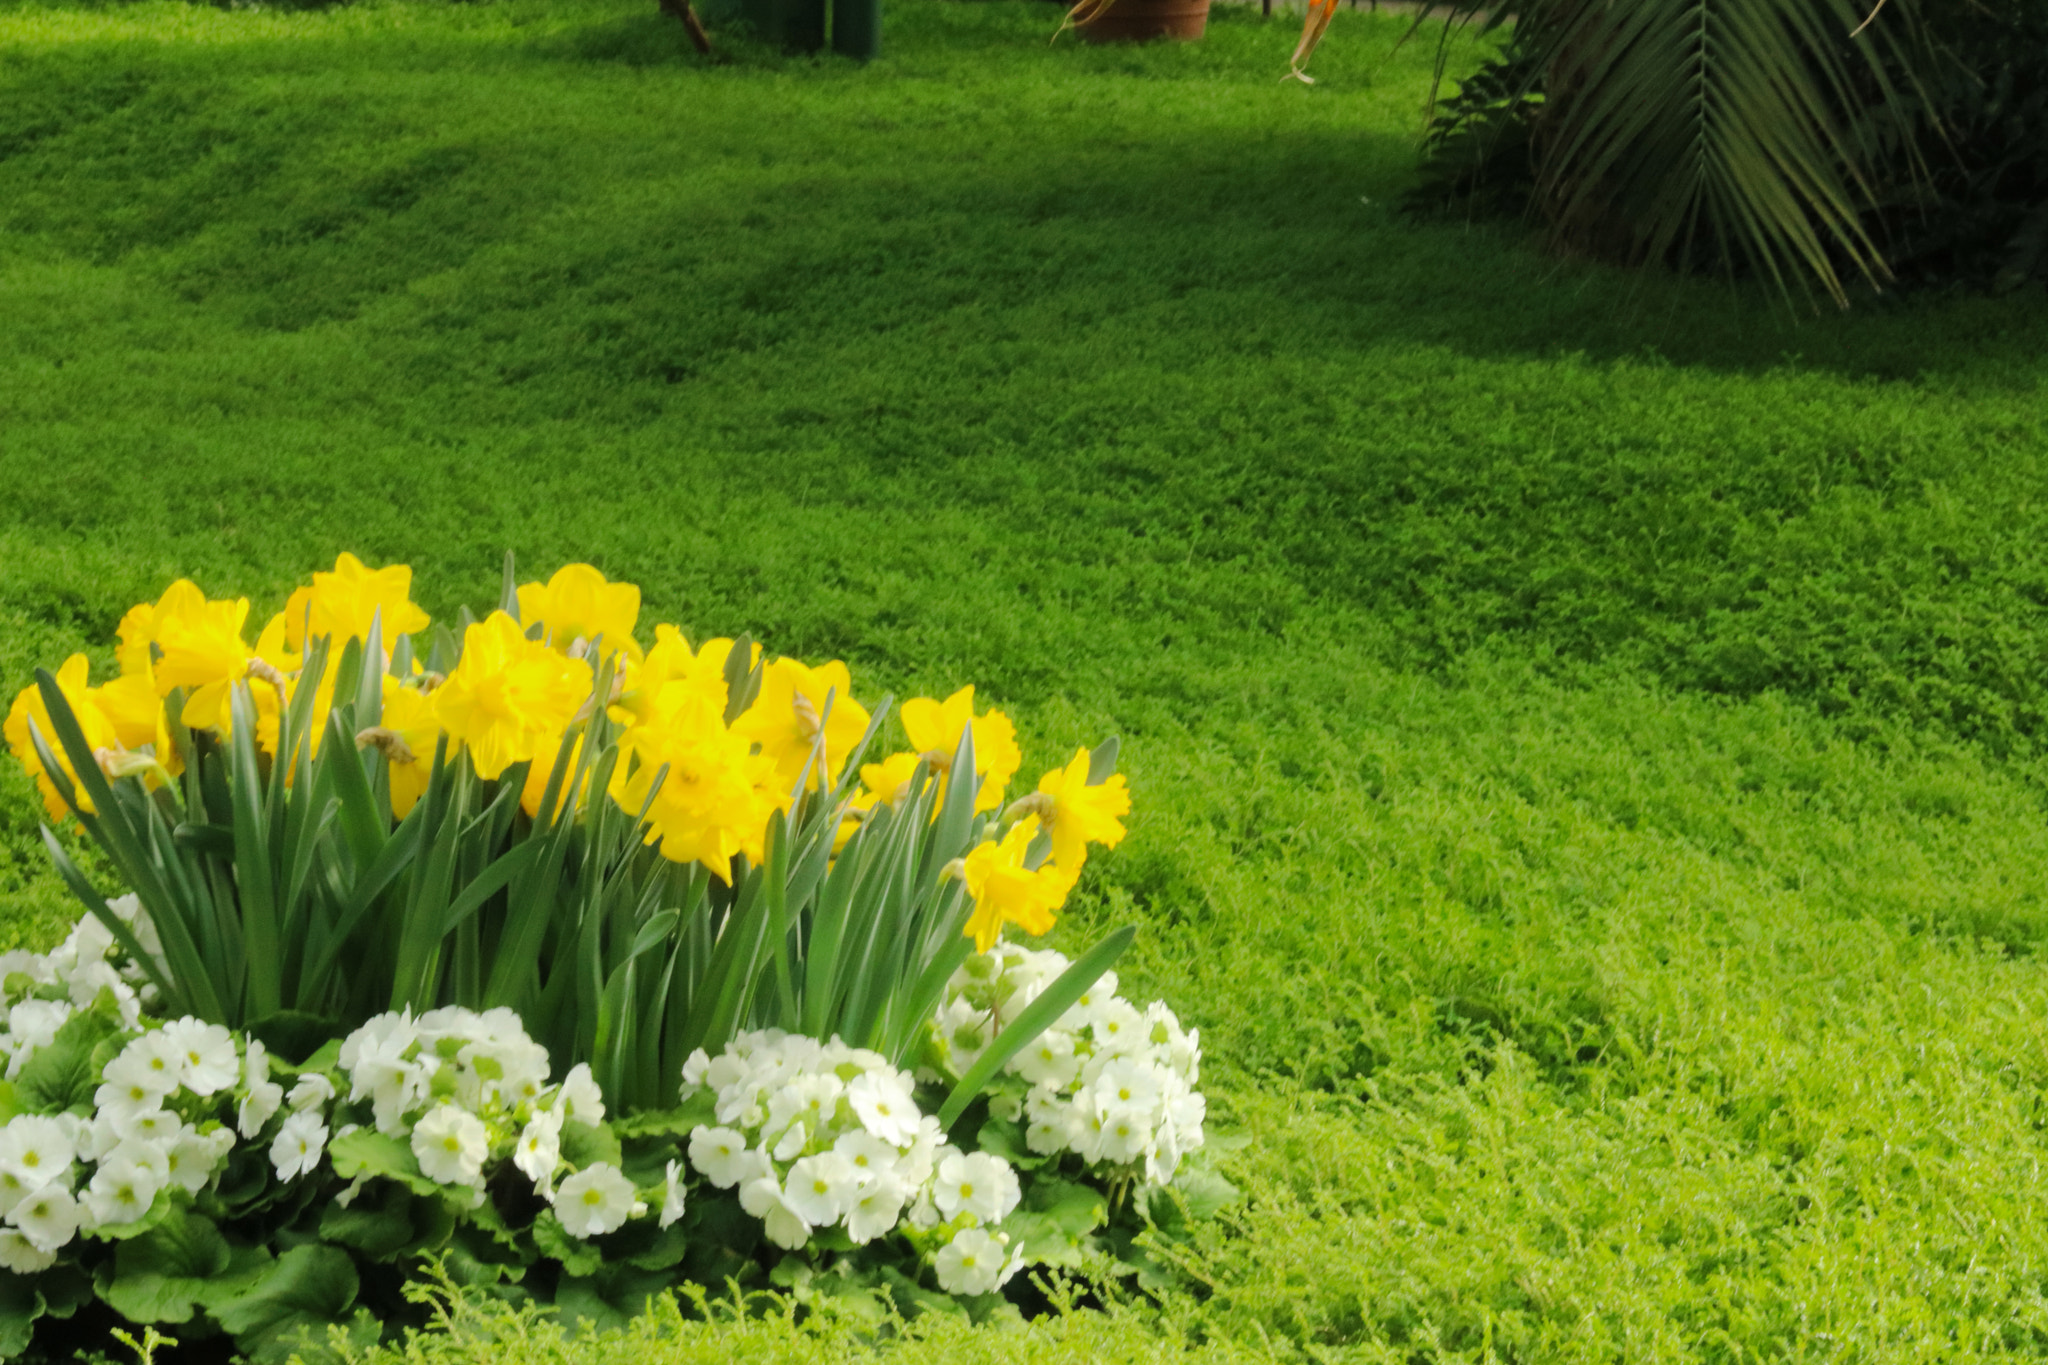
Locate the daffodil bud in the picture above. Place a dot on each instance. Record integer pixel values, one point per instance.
(1039, 804)
(389, 743)
(806, 715)
(118, 763)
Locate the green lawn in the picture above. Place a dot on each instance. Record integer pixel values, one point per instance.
(1586, 730)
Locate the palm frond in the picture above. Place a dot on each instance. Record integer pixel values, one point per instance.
(1713, 131)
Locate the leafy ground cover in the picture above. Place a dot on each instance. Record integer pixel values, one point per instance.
(1586, 731)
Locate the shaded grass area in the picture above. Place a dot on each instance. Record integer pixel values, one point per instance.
(1583, 728)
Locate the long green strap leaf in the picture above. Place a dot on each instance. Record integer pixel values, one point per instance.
(1036, 1018)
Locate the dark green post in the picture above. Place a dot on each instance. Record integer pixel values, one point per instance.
(857, 28)
(798, 25)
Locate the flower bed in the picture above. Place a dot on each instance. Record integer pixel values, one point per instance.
(574, 968)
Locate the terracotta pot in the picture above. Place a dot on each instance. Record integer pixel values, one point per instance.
(1138, 21)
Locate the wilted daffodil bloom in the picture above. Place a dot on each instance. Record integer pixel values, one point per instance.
(934, 728)
(406, 735)
(790, 713)
(578, 604)
(717, 796)
(510, 696)
(341, 604)
(1005, 891)
(28, 708)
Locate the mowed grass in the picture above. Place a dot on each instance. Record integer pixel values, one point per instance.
(1585, 730)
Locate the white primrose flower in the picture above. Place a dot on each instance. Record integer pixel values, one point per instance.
(596, 1200)
(122, 1189)
(1118, 1027)
(31, 1026)
(723, 1158)
(211, 1063)
(539, 1149)
(695, 1067)
(672, 1194)
(112, 1098)
(882, 1101)
(791, 1144)
(22, 962)
(260, 1095)
(1108, 1083)
(313, 1091)
(764, 1199)
(1092, 1002)
(36, 1151)
(1128, 1085)
(156, 1127)
(980, 1184)
(85, 982)
(875, 1209)
(966, 1033)
(451, 1145)
(299, 1145)
(975, 1262)
(810, 1100)
(820, 1187)
(579, 1098)
(20, 1255)
(1048, 1060)
(191, 1159)
(48, 1217)
(871, 1158)
(923, 1154)
(153, 1062)
(1123, 1137)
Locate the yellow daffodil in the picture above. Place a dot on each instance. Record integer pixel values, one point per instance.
(1076, 814)
(718, 795)
(131, 705)
(406, 736)
(578, 605)
(883, 783)
(673, 661)
(200, 648)
(789, 715)
(543, 767)
(1005, 891)
(341, 603)
(509, 696)
(28, 708)
(934, 728)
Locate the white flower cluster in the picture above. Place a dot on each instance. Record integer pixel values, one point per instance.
(40, 991)
(155, 1126)
(820, 1135)
(1107, 1081)
(467, 1090)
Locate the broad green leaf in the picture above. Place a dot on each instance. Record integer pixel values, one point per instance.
(369, 1152)
(180, 1267)
(301, 1294)
(387, 1220)
(578, 1256)
(20, 1306)
(584, 1144)
(61, 1074)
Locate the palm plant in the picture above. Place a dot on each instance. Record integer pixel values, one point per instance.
(1702, 132)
